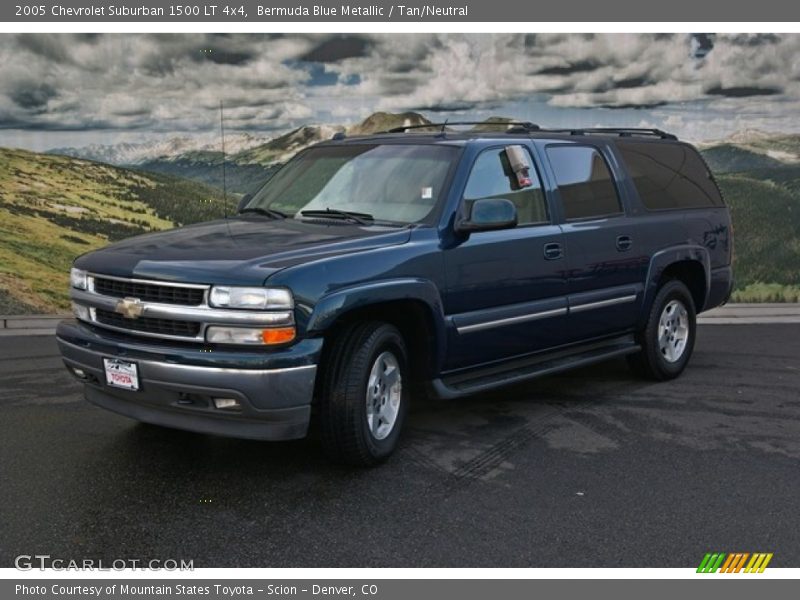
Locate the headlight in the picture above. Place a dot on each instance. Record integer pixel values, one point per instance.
(254, 298)
(217, 334)
(78, 279)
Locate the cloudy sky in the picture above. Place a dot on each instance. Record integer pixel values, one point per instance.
(65, 89)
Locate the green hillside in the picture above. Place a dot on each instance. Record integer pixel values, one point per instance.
(726, 158)
(789, 145)
(206, 168)
(54, 208)
(766, 218)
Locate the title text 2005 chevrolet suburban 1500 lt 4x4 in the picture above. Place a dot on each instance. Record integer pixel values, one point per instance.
(442, 262)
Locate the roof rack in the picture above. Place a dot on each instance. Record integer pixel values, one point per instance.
(511, 126)
(527, 127)
(620, 131)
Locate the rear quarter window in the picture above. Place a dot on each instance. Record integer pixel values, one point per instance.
(669, 176)
(584, 181)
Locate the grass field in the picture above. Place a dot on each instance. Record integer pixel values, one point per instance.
(767, 292)
(765, 207)
(54, 208)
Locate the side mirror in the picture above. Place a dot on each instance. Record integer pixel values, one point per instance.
(488, 214)
(243, 202)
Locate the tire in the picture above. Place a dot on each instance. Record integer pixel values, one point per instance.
(667, 339)
(367, 365)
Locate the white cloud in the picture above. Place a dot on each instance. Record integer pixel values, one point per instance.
(175, 82)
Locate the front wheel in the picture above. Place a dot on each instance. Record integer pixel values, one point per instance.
(667, 339)
(364, 395)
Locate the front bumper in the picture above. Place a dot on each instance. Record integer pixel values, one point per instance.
(177, 383)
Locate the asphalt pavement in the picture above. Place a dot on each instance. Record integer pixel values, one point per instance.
(592, 468)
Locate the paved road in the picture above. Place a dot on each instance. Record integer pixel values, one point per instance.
(591, 468)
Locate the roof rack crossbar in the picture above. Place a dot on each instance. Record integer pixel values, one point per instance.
(621, 131)
(519, 126)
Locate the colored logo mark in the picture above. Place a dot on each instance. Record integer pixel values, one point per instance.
(714, 562)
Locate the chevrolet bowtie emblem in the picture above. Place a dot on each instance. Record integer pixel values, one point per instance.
(130, 308)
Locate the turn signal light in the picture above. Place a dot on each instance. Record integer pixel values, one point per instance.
(259, 336)
(278, 335)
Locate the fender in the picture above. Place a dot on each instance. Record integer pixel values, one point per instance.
(332, 306)
(663, 259)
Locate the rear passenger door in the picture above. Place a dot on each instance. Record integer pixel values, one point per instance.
(606, 258)
(506, 290)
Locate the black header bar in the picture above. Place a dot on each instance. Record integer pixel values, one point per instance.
(463, 11)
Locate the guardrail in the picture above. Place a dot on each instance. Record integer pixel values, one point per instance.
(25, 324)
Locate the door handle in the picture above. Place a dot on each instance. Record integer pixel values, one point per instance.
(624, 243)
(553, 251)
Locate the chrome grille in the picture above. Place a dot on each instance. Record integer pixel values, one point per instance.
(169, 310)
(149, 292)
(167, 327)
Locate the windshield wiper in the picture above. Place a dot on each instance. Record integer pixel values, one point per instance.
(357, 217)
(267, 212)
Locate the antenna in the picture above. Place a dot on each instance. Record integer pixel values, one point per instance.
(222, 135)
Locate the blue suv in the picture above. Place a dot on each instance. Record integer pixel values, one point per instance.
(420, 262)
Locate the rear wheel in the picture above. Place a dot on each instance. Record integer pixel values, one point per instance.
(667, 339)
(364, 395)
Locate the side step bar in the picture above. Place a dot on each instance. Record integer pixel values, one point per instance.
(516, 371)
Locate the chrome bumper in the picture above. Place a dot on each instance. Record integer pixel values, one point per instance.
(275, 403)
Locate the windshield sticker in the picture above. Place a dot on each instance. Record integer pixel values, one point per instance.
(427, 193)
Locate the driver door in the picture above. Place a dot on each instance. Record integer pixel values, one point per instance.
(506, 290)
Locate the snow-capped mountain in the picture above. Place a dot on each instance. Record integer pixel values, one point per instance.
(136, 153)
(242, 148)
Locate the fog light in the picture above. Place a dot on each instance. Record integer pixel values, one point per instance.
(227, 404)
(79, 373)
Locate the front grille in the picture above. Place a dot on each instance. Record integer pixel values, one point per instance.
(185, 329)
(149, 292)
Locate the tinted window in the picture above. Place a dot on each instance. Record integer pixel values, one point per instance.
(584, 182)
(669, 175)
(492, 177)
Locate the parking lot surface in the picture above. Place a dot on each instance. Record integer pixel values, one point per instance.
(589, 468)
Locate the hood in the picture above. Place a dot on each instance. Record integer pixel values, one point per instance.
(243, 250)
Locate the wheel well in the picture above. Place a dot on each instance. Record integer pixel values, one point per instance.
(412, 318)
(693, 276)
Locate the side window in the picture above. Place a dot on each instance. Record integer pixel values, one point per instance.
(493, 177)
(584, 182)
(669, 175)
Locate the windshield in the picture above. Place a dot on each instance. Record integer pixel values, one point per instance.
(394, 183)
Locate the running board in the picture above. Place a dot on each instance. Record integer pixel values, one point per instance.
(482, 380)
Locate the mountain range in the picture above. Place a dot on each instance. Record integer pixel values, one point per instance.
(136, 153)
(54, 207)
(249, 160)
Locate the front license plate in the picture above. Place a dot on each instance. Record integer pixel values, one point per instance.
(121, 373)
